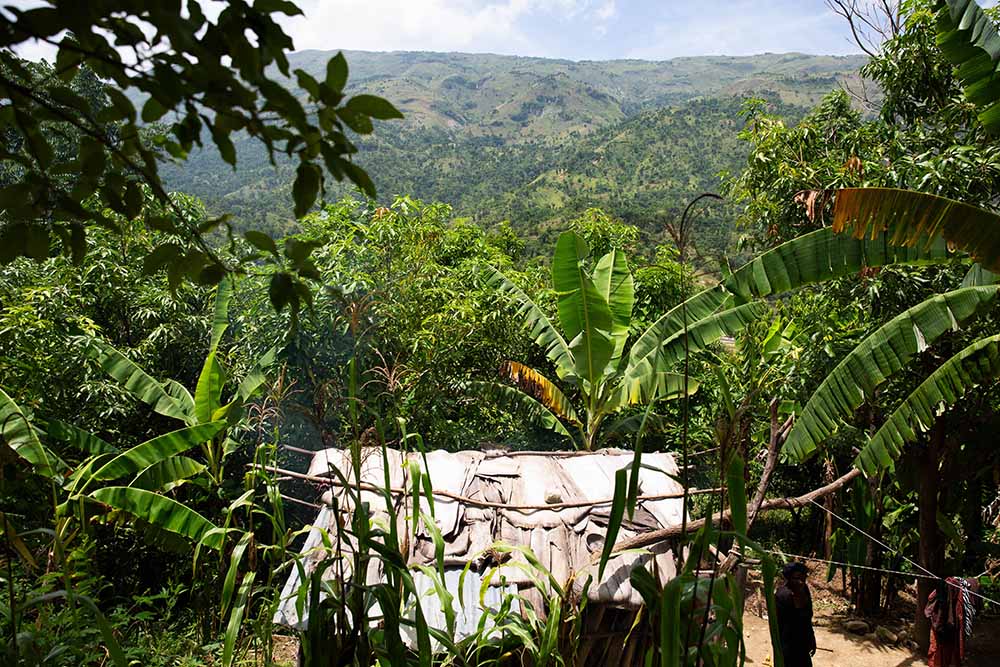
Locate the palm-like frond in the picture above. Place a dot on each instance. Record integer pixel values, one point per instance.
(643, 368)
(135, 380)
(19, 434)
(521, 403)
(208, 392)
(883, 353)
(158, 449)
(641, 390)
(584, 313)
(977, 275)
(83, 440)
(915, 219)
(541, 389)
(615, 284)
(823, 255)
(162, 512)
(254, 379)
(220, 314)
(541, 329)
(167, 474)
(696, 308)
(945, 386)
(968, 39)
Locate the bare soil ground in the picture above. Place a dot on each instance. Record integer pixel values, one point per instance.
(839, 648)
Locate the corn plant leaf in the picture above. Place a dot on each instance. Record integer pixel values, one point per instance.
(236, 619)
(974, 365)
(135, 380)
(968, 39)
(615, 519)
(235, 562)
(541, 329)
(916, 219)
(883, 353)
(769, 571)
(158, 449)
(671, 648)
(614, 282)
(541, 389)
(167, 474)
(736, 484)
(19, 434)
(823, 255)
(162, 512)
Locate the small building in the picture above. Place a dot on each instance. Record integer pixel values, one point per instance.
(557, 504)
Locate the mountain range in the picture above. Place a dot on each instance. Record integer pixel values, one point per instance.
(535, 141)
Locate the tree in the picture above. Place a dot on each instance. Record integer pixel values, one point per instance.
(205, 77)
(925, 137)
(918, 221)
(595, 313)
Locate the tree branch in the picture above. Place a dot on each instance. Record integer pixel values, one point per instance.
(654, 536)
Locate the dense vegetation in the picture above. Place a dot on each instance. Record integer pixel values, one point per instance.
(536, 142)
(163, 367)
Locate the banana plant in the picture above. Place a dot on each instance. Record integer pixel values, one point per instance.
(594, 306)
(171, 399)
(968, 38)
(876, 227)
(136, 481)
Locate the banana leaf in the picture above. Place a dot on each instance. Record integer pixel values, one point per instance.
(973, 366)
(884, 352)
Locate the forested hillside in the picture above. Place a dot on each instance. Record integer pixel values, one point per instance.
(536, 141)
(490, 415)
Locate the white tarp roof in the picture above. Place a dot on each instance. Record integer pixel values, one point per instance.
(555, 503)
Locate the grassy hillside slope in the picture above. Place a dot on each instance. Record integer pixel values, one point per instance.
(534, 140)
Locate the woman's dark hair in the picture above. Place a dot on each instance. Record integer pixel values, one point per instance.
(794, 568)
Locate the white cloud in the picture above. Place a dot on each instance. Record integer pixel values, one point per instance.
(430, 25)
(746, 27)
(606, 11)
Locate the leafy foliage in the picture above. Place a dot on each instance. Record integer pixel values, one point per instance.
(917, 219)
(537, 142)
(216, 76)
(944, 387)
(969, 39)
(595, 314)
(876, 358)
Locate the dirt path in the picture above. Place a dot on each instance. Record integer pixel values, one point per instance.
(838, 648)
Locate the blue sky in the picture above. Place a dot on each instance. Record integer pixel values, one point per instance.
(575, 29)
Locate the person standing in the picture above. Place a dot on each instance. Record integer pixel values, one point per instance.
(794, 604)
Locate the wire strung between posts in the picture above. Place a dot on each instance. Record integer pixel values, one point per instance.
(851, 565)
(876, 540)
(927, 573)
